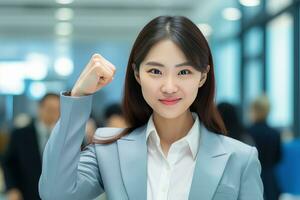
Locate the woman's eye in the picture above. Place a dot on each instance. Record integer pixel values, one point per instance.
(154, 71)
(184, 72)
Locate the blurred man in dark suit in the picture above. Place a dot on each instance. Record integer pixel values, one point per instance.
(23, 158)
(268, 144)
(113, 116)
(233, 124)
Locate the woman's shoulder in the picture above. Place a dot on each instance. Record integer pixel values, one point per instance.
(241, 154)
(107, 133)
(235, 146)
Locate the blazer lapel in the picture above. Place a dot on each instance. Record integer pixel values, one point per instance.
(133, 162)
(210, 165)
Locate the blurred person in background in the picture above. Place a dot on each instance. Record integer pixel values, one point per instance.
(268, 144)
(22, 120)
(3, 144)
(233, 123)
(22, 161)
(113, 116)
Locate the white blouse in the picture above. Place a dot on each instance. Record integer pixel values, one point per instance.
(171, 177)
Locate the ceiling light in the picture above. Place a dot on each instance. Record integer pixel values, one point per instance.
(64, 14)
(232, 14)
(12, 77)
(37, 66)
(63, 29)
(64, 66)
(250, 3)
(64, 1)
(205, 29)
(37, 90)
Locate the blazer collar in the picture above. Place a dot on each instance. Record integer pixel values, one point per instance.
(212, 158)
(210, 164)
(133, 162)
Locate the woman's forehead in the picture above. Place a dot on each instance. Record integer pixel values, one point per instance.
(165, 52)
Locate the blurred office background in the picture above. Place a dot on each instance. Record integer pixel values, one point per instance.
(44, 45)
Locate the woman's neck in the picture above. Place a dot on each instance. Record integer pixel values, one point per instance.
(171, 130)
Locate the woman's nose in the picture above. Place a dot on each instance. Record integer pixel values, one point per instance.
(169, 85)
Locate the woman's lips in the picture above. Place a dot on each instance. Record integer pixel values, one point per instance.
(170, 101)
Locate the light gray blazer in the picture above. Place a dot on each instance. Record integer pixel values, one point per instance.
(226, 169)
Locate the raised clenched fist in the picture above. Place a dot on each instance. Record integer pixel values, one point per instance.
(97, 73)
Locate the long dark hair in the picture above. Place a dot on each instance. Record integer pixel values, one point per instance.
(188, 37)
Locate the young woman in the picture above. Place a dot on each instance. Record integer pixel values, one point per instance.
(175, 146)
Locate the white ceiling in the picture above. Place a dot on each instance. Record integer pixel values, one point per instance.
(99, 18)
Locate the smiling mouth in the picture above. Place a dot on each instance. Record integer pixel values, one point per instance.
(169, 101)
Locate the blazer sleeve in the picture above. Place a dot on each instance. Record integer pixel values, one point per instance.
(68, 173)
(251, 183)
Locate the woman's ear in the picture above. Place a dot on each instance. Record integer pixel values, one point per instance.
(136, 73)
(204, 76)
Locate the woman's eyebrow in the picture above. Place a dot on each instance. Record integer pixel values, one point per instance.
(157, 64)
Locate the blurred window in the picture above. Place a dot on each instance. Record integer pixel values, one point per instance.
(253, 80)
(274, 6)
(280, 70)
(227, 67)
(253, 83)
(253, 42)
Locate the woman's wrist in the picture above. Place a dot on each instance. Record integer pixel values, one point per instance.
(71, 94)
(76, 93)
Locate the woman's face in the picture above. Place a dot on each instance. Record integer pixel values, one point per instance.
(169, 83)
